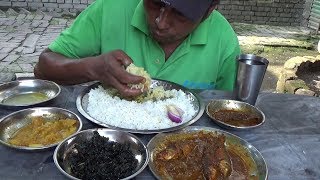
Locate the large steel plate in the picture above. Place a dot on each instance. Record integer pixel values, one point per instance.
(82, 104)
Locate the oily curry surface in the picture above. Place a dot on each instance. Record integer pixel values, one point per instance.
(25, 99)
(202, 155)
(236, 117)
(41, 132)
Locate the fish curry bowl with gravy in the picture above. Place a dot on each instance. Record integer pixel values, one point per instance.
(38, 128)
(27, 93)
(101, 154)
(204, 153)
(236, 115)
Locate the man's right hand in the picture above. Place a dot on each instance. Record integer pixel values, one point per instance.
(107, 68)
(110, 70)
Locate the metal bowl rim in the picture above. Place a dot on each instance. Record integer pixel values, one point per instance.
(43, 147)
(191, 129)
(196, 118)
(233, 126)
(34, 104)
(55, 154)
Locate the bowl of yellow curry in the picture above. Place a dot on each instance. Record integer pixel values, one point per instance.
(38, 128)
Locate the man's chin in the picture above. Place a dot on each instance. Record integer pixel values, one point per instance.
(162, 40)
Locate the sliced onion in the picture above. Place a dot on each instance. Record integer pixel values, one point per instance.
(174, 113)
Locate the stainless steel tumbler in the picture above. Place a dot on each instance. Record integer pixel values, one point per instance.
(251, 71)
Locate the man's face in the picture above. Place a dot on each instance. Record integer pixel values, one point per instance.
(167, 25)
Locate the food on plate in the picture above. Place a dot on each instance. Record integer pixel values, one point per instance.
(156, 108)
(139, 71)
(238, 118)
(25, 99)
(200, 155)
(101, 158)
(41, 132)
(146, 115)
(174, 113)
(155, 93)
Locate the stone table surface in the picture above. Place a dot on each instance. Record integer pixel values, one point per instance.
(289, 140)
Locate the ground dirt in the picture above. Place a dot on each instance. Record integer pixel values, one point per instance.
(277, 56)
(277, 44)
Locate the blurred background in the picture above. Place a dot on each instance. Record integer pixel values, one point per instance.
(285, 32)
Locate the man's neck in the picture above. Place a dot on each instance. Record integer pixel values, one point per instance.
(169, 48)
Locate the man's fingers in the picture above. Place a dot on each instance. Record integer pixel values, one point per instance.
(125, 62)
(121, 74)
(123, 58)
(116, 75)
(123, 89)
(127, 78)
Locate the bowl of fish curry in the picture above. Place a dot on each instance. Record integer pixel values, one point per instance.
(204, 153)
(101, 154)
(27, 93)
(38, 128)
(236, 115)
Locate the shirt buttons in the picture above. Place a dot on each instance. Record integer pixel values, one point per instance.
(157, 61)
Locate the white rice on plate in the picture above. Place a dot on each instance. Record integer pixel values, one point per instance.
(148, 115)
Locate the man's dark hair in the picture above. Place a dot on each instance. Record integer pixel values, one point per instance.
(215, 2)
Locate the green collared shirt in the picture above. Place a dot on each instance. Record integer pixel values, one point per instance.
(205, 60)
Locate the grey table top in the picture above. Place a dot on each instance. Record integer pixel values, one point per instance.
(289, 140)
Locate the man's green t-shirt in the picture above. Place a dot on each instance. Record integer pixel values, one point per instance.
(205, 60)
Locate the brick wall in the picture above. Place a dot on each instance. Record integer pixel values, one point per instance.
(65, 6)
(270, 12)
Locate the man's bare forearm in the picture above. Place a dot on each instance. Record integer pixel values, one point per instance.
(108, 68)
(55, 67)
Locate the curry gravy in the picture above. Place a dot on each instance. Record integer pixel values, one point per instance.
(243, 166)
(25, 99)
(202, 156)
(236, 117)
(41, 132)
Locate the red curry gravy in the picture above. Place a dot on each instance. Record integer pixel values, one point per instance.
(236, 117)
(202, 155)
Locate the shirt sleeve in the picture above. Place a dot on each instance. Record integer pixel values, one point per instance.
(228, 72)
(82, 38)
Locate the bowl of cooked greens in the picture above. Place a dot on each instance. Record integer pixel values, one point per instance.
(101, 154)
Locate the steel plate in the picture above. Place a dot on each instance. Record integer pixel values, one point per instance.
(226, 104)
(261, 170)
(11, 123)
(67, 148)
(10, 89)
(82, 102)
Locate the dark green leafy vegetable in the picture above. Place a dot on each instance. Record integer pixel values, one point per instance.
(100, 158)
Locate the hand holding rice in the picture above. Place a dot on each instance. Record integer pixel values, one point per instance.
(139, 71)
(156, 108)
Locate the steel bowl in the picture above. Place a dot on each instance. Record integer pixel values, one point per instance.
(14, 88)
(259, 169)
(67, 147)
(11, 123)
(83, 101)
(224, 104)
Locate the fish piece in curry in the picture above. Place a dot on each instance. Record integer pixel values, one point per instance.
(198, 156)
